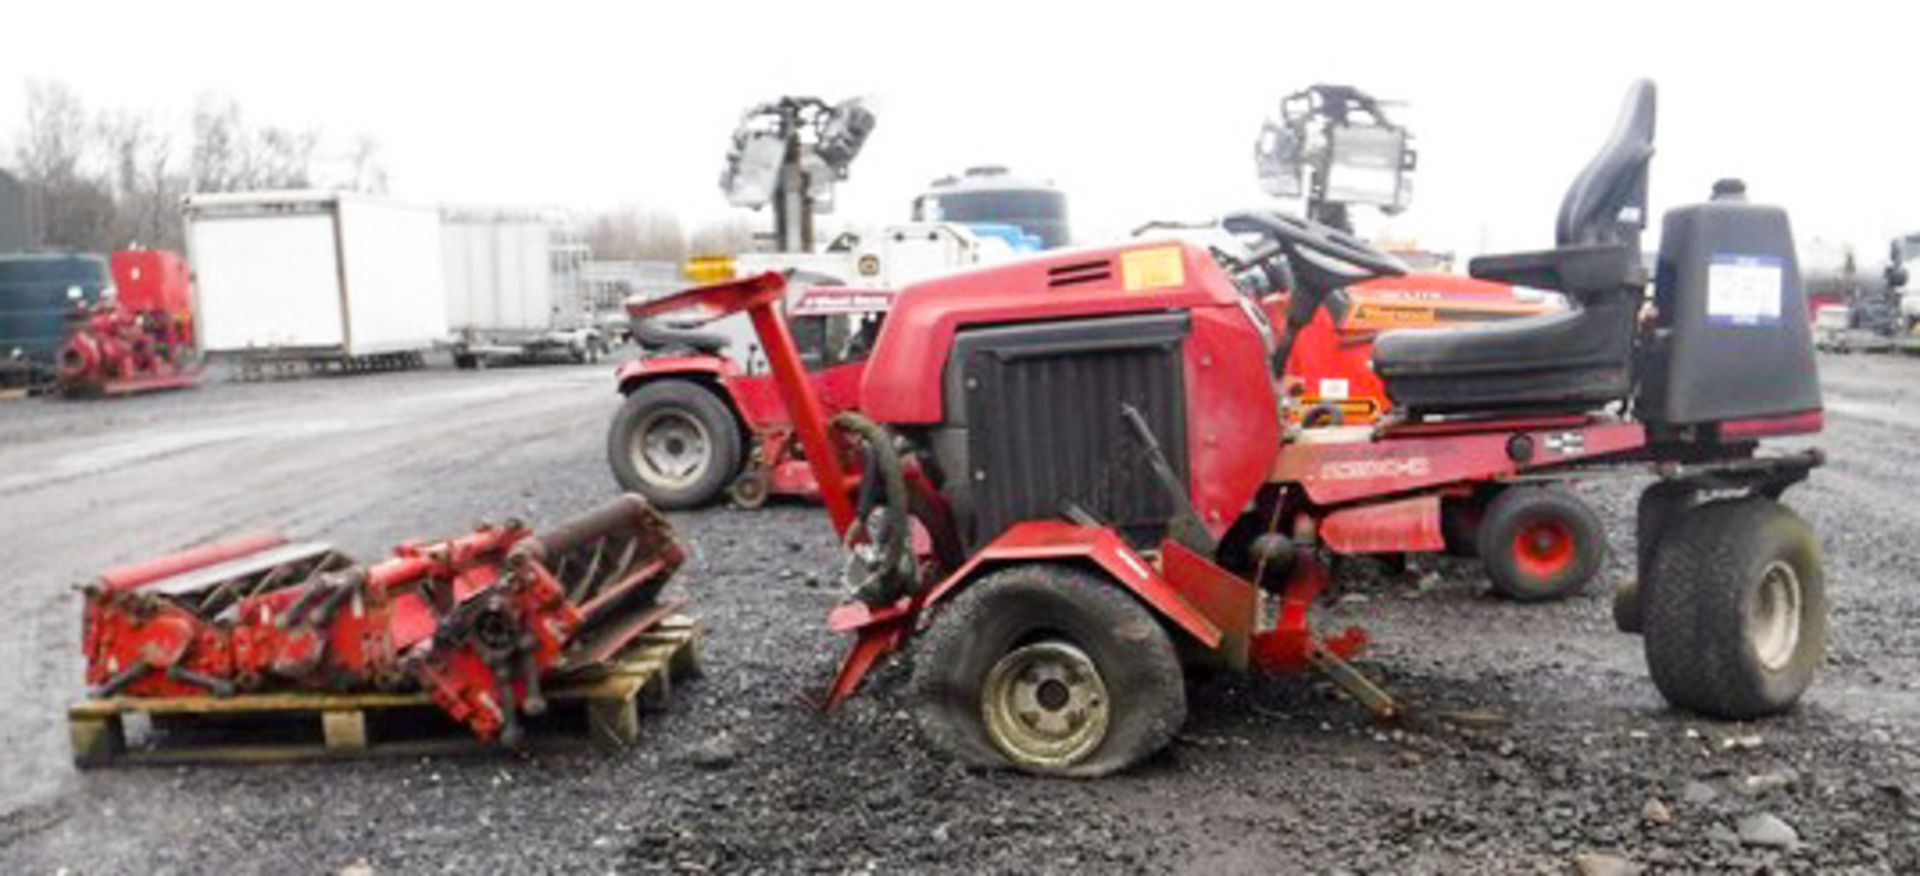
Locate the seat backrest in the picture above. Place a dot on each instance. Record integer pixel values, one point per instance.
(1607, 203)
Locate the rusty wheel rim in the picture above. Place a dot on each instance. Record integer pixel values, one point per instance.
(1045, 705)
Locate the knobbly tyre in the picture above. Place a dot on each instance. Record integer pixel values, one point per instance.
(1077, 483)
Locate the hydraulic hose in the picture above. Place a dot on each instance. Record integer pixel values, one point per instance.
(883, 483)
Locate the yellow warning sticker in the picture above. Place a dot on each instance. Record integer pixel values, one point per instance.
(1157, 268)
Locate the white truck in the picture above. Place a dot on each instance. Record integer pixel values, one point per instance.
(335, 280)
(514, 289)
(888, 258)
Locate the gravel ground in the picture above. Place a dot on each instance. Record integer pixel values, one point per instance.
(1536, 742)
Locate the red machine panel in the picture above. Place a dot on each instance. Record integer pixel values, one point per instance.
(152, 279)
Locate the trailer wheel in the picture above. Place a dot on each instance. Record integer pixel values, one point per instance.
(675, 443)
(1735, 610)
(1051, 670)
(1541, 543)
(751, 489)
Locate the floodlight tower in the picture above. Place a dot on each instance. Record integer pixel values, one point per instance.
(789, 153)
(1335, 146)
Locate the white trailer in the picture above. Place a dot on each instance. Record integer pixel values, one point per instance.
(336, 279)
(514, 288)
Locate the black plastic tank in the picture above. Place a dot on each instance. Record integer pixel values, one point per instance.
(37, 293)
(1731, 340)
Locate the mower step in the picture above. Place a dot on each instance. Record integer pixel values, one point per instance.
(602, 708)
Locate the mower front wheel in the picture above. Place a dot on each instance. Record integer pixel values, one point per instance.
(1734, 610)
(1050, 670)
(1541, 543)
(675, 443)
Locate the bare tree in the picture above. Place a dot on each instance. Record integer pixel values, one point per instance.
(633, 233)
(146, 187)
(115, 180)
(364, 172)
(229, 156)
(724, 237)
(72, 208)
(215, 164)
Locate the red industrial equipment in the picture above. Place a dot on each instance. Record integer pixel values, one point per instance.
(140, 341)
(476, 621)
(1076, 476)
(695, 424)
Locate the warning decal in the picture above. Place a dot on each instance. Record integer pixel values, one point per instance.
(1157, 268)
(1744, 290)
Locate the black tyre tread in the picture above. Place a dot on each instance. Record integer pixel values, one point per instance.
(1496, 534)
(1136, 656)
(712, 412)
(1693, 608)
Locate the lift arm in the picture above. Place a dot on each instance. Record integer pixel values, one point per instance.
(760, 298)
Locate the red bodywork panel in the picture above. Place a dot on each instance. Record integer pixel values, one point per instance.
(1060, 540)
(1335, 472)
(1233, 425)
(152, 280)
(755, 397)
(1389, 527)
(1333, 360)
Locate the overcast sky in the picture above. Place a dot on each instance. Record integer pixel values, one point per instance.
(1139, 111)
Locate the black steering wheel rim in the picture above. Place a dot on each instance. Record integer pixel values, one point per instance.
(1298, 236)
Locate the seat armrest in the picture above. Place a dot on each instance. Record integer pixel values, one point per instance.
(1578, 271)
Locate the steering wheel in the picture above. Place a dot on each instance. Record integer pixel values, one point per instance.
(1302, 238)
(1322, 258)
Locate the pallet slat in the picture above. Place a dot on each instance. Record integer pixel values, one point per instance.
(348, 724)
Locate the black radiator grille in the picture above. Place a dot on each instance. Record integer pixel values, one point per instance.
(1044, 428)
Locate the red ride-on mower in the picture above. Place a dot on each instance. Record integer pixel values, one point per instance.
(1537, 544)
(1075, 482)
(695, 424)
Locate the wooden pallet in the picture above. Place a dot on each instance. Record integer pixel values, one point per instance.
(602, 708)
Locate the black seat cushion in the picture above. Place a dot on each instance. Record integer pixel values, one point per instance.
(1575, 360)
(1571, 360)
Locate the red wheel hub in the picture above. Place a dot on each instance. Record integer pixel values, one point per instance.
(1543, 548)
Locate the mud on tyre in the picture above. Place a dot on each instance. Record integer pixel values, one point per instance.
(1734, 612)
(1048, 669)
(675, 443)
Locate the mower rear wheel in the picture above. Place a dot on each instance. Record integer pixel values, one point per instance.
(675, 443)
(1541, 543)
(1734, 610)
(1051, 670)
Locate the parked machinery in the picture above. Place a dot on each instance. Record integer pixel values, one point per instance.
(702, 416)
(141, 339)
(38, 295)
(1075, 477)
(478, 621)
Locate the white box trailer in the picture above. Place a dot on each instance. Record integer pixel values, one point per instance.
(316, 275)
(513, 288)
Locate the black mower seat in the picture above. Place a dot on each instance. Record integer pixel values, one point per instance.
(658, 337)
(1573, 360)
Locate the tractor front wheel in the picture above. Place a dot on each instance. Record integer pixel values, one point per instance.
(1734, 609)
(1051, 670)
(1541, 543)
(675, 443)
